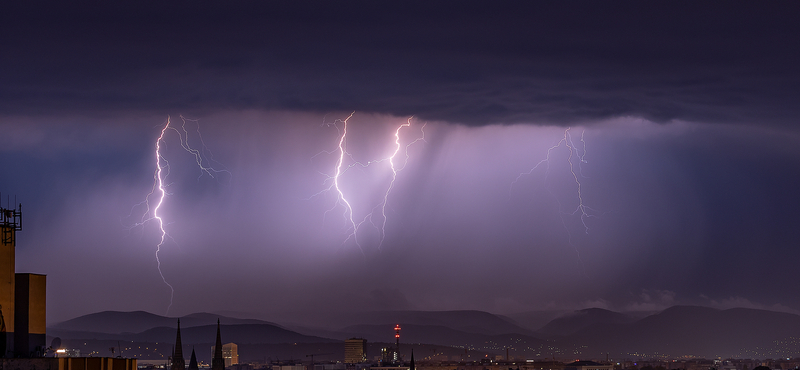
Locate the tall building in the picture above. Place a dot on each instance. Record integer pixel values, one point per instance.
(178, 363)
(10, 223)
(230, 352)
(355, 350)
(217, 361)
(22, 296)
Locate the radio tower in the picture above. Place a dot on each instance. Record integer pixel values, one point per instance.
(10, 223)
(397, 338)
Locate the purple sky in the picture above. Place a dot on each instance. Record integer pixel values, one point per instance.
(685, 118)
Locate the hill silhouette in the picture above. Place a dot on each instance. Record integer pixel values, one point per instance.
(437, 334)
(693, 330)
(577, 320)
(115, 322)
(242, 333)
(677, 331)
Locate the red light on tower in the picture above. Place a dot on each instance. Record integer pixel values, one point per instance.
(397, 336)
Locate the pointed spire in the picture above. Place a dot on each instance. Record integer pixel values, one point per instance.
(218, 350)
(193, 361)
(178, 363)
(217, 362)
(412, 367)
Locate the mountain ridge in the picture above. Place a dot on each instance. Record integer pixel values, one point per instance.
(118, 322)
(676, 331)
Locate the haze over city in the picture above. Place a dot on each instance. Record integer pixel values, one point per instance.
(630, 156)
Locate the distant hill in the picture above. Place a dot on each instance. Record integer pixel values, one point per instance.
(578, 320)
(698, 331)
(535, 320)
(479, 330)
(242, 333)
(115, 322)
(466, 321)
(430, 334)
(675, 332)
(441, 335)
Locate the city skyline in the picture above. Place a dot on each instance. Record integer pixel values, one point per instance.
(557, 156)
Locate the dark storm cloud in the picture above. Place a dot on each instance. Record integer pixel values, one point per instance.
(465, 62)
(686, 212)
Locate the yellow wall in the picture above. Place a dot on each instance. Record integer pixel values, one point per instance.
(7, 283)
(37, 310)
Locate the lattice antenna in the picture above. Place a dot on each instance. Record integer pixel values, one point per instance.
(10, 221)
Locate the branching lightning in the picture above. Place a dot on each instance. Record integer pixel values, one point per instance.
(575, 154)
(581, 208)
(159, 188)
(200, 155)
(348, 211)
(395, 171)
(347, 161)
(158, 181)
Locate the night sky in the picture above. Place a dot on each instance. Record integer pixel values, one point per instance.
(560, 155)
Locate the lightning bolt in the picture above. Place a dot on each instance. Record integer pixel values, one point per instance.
(159, 188)
(202, 155)
(158, 181)
(395, 170)
(575, 154)
(348, 208)
(342, 167)
(581, 208)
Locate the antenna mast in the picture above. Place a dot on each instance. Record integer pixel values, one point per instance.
(10, 221)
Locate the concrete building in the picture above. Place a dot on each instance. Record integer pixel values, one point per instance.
(355, 350)
(230, 352)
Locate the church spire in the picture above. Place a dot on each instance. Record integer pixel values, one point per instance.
(412, 367)
(178, 363)
(217, 362)
(193, 361)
